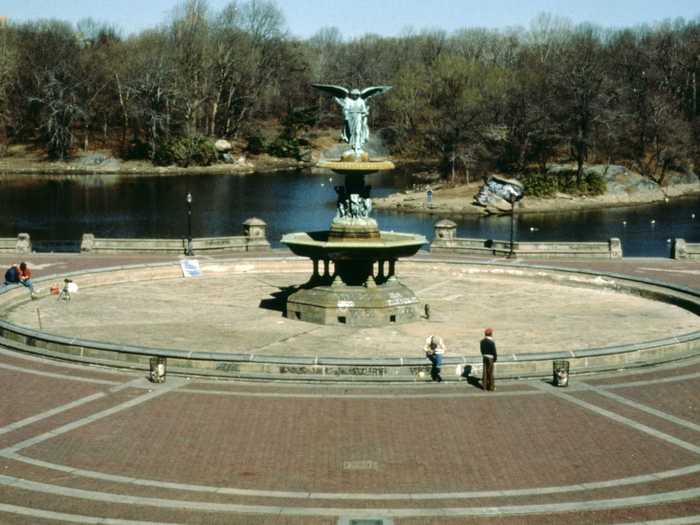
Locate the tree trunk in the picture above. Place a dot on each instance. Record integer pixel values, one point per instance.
(125, 121)
(3, 140)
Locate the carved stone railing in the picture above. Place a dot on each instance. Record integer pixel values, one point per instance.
(253, 239)
(446, 241)
(685, 250)
(20, 244)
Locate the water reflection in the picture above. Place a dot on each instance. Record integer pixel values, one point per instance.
(63, 208)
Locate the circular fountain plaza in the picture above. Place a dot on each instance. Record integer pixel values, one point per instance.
(231, 320)
(96, 444)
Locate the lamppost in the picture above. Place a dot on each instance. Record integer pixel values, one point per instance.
(514, 195)
(189, 224)
(511, 254)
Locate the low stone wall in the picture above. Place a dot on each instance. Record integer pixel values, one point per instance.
(20, 244)
(253, 239)
(320, 368)
(446, 241)
(685, 250)
(540, 250)
(92, 244)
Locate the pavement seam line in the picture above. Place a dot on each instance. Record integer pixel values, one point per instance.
(457, 395)
(623, 420)
(688, 520)
(285, 339)
(89, 419)
(71, 518)
(49, 413)
(505, 510)
(432, 286)
(43, 360)
(232, 491)
(57, 376)
(649, 410)
(649, 382)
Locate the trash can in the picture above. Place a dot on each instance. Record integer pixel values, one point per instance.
(560, 373)
(158, 369)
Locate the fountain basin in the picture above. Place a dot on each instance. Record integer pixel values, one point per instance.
(346, 167)
(321, 245)
(360, 288)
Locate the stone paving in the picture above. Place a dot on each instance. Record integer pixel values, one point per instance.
(235, 310)
(221, 452)
(90, 445)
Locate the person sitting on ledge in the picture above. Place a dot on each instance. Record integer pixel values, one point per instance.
(20, 274)
(434, 351)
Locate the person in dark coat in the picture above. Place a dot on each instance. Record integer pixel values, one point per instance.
(488, 352)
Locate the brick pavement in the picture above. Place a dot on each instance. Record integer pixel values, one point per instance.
(225, 452)
(304, 442)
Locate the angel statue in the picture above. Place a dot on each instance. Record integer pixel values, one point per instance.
(355, 110)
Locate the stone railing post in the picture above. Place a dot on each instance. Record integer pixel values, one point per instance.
(615, 248)
(445, 230)
(680, 249)
(87, 244)
(24, 243)
(444, 235)
(255, 231)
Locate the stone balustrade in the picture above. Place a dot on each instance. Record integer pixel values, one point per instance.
(253, 239)
(685, 250)
(20, 244)
(446, 241)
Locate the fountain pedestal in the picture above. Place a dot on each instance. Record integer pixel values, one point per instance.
(354, 278)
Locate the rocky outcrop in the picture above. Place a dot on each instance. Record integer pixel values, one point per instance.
(497, 193)
(223, 146)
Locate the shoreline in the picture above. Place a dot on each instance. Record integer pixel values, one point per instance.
(458, 201)
(132, 168)
(446, 201)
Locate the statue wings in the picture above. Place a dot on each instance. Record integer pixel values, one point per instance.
(374, 90)
(341, 92)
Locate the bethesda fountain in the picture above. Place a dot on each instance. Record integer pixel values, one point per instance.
(354, 278)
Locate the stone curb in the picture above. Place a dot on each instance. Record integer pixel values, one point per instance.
(331, 368)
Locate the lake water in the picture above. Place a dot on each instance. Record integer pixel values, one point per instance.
(56, 211)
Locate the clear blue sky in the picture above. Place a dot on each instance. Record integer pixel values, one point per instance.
(384, 17)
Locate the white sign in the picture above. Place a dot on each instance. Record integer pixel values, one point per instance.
(190, 268)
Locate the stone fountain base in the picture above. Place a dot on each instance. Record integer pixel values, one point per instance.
(354, 282)
(339, 304)
(357, 285)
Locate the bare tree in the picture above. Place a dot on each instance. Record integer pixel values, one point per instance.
(61, 110)
(8, 71)
(579, 83)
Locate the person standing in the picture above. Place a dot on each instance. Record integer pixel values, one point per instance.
(434, 351)
(488, 352)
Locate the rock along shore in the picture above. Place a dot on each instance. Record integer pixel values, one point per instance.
(624, 188)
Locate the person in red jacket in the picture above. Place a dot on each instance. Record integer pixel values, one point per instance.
(20, 274)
